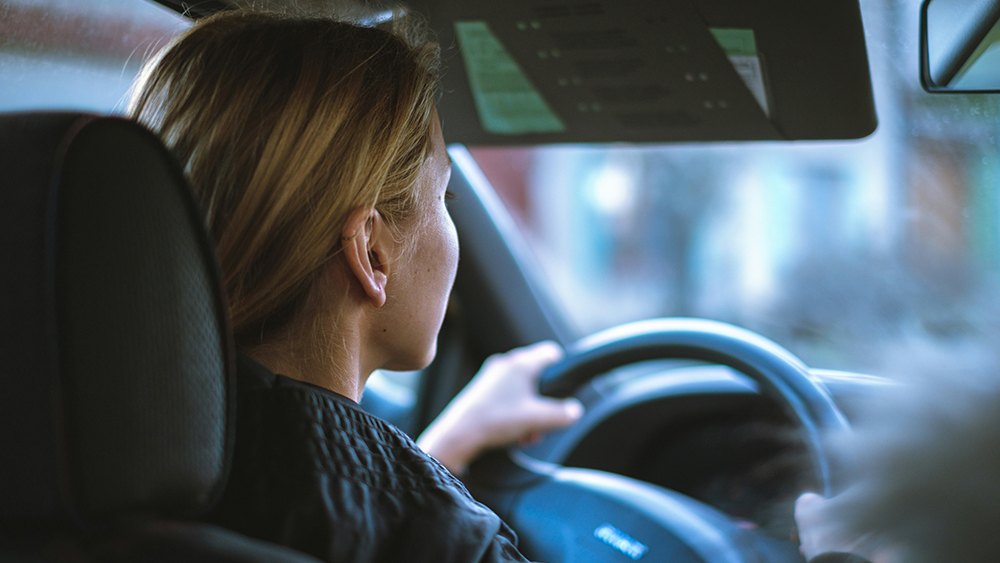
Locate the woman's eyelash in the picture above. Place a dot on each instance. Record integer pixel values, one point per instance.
(448, 196)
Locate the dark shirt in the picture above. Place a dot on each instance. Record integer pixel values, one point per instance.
(314, 472)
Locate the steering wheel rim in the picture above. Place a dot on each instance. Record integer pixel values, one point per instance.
(509, 476)
(779, 373)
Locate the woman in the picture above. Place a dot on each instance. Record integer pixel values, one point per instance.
(316, 151)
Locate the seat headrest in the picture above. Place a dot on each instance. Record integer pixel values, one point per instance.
(115, 357)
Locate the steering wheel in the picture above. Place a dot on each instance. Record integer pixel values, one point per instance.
(572, 514)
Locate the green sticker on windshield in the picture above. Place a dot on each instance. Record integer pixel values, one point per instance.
(740, 47)
(735, 41)
(506, 101)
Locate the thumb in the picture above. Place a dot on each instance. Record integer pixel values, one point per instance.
(808, 503)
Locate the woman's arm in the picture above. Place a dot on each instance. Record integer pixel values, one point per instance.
(499, 407)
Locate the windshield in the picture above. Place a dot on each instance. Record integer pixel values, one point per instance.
(832, 249)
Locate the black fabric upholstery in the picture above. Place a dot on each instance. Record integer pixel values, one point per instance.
(115, 362)
(30, 488)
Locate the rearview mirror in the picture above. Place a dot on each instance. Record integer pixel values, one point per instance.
(960, 45)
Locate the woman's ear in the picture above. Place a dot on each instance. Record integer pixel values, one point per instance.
(365, 248)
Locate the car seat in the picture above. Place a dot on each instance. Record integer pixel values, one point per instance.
(116, 390)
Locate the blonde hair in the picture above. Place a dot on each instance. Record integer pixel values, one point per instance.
(283, 126)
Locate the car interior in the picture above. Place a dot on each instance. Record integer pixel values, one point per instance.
(117, 402)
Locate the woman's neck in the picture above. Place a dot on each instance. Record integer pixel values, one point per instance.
(332, 364)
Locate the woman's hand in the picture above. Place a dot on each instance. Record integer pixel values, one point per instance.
(815, 534)
(818, 523)
(499, 407)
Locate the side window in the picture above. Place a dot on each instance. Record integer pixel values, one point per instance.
(392, 395)
(71, 55)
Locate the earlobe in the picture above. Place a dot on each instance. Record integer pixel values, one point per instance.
(363, 252)
(381, 281)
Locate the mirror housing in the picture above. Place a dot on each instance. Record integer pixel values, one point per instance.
(960, 46)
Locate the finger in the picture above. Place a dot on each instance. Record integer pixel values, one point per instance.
(544, 351)
(549, 414)
(807, 503)
(535, 358)
(530, 438)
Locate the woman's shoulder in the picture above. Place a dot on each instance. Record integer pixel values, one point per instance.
(312, 470)
(331, 432)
